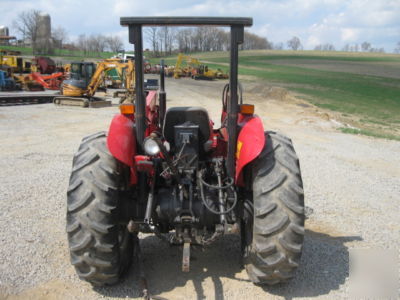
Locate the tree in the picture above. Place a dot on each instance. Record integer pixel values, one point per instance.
(26, 24)
(397, 49)
(183, 40)
(171, 37)
(222, 41)
(97, 43)
(365, 46)
(278, 46)
(377, 50)
(294, 43)
(60, 35)
(152, 37)
(204, 38)
(318, 47)
(114, 43)
(253, 41)
(166, 36)
(82, 43)
(353, 48)
(325, 47)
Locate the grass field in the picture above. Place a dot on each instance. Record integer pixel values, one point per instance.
(364, 88)
(71, 54)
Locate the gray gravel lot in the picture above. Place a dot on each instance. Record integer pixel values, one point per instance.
(352, 183)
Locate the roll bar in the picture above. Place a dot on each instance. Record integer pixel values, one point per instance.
(186, 21)
(237, 25)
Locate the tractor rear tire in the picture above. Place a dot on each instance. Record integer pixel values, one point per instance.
(100, 247)
(274, 231)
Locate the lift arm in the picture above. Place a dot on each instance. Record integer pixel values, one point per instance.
(108, 65)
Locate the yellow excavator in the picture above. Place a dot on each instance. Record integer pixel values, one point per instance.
(191, 63)
(86, 77)
(196, 69)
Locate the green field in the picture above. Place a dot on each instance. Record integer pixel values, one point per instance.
(363, 88)
(70, 54)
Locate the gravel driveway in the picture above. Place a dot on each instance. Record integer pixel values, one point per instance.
(352, 184)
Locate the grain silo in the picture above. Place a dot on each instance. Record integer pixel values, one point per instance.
(43, 44)
(4, 31)
(5, 37)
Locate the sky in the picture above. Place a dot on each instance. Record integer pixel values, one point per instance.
(315, 22)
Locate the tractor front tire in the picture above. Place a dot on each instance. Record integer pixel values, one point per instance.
(274, 231)
(100, 247)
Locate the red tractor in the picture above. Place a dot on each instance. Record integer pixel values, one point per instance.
(168, 171)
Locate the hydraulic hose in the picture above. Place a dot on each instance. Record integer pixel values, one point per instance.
(230, 185)
(225, 95)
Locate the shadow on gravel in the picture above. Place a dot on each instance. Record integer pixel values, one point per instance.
(324, 267)
(163, 264)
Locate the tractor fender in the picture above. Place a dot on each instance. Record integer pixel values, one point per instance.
(121, 140)
(250, 142)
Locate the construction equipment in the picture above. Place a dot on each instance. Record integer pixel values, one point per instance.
(17, 63)
(44, 65)
(125, 56)
(18, 99)
(38, 82)
(7, 83)
(203, 72)
(220, 74)
(186, 71)
(49, 82)
(169, 172)
(196, 69)
(85, 78)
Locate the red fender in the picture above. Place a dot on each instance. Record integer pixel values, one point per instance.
(250, 143)
(121, 141)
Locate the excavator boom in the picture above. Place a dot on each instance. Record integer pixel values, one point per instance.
(106, 65)
(73, 93)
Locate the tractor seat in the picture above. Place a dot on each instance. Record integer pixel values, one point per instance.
(179, 115)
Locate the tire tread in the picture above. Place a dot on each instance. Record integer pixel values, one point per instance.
(278, 221)
(92, 221)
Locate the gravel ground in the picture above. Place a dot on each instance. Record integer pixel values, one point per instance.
(352, 183)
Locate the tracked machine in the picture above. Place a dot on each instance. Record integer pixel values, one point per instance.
(171, 173)
(195, 69)
(85, 79)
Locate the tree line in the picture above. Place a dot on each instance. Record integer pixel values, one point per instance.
(167, 40)
(295, 44)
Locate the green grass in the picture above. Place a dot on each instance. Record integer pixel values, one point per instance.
(305, 57)
(369, 133)
(374, 100)
(364, 95)
(70, 54)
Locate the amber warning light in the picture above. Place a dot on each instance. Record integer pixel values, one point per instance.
(127, 109)
(247, 109)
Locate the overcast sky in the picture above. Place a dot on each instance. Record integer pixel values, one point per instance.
(314, 21)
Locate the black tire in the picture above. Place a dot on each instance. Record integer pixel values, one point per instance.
(100, 247)
(274, 230)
